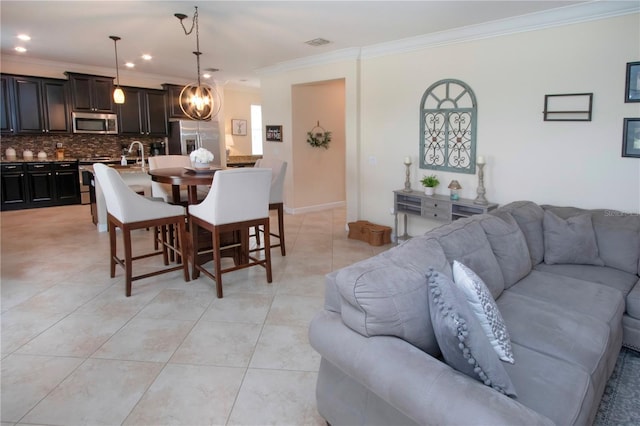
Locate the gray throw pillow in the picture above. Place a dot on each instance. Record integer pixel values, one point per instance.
(571, 240)
(463, 343)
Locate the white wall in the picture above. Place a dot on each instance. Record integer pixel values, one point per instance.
(562, 163)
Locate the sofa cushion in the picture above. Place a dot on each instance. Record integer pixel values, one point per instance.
(464, 240)
(558, 331)
(553, 387)
(381, 298)
(462, 341)
(598, 301)
(570, 240)
(633, 301)
(617, 234)
(509, 246)
(485, 309)
(420, 253)
(610, 277)
(529, 216)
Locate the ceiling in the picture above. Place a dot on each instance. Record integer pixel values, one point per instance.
(237, 37)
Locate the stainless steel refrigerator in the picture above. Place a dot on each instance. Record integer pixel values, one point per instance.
(188, 135)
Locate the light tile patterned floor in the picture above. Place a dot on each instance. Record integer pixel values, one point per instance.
(76, 351)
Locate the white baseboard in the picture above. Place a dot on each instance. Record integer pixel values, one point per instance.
(316, 208)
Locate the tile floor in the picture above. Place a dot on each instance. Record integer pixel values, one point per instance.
(76, 351)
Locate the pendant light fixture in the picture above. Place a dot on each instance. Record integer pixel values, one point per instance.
(118, 94)
(198, 101)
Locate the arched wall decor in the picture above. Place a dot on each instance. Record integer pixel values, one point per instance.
(448, 114)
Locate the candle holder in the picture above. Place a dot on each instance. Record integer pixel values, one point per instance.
(480, 199)
(407, 181)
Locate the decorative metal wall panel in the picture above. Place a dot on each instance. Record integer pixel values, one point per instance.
(448, 114)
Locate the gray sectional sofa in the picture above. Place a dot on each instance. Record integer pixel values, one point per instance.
(565, 280)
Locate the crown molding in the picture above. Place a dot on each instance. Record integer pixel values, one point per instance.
(349, 54)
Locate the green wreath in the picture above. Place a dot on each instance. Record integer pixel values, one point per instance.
(319, 138)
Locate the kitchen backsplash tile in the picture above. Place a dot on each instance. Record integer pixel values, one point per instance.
(75, 145)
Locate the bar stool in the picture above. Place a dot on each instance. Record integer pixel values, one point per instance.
(129, 211)
(276, 200)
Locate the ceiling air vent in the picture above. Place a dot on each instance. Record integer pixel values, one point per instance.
(317, 42)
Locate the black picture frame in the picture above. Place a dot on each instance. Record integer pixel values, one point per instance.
(632, 83)
(273, 133)
(631, 137)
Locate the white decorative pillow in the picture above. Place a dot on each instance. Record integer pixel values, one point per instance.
(485, 309)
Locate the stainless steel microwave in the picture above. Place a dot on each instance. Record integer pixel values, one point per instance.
(90, 122)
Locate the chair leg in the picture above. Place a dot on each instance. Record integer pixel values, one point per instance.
(156, 234)
(256, 230)
(195, 272)
(112, 248)
(267, 250)
(184, 255)
(283, 251)
(128, 267)
(217, 261)
(165, 254)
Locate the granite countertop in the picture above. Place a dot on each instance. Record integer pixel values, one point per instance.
(36, 160)
(243, 159)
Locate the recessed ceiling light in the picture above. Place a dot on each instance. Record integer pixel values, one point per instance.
(20, 49)
(146, 57)
(24, 37)
(129, 65)
(317, 42)
(206, 75)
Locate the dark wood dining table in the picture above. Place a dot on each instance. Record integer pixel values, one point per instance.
(177, 176)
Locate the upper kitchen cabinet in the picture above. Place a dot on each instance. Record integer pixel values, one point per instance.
(91, 93)
(41, 105)
(173, 101)
(6, 101)
(144, 112)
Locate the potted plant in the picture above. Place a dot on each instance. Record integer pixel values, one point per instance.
(429, 183)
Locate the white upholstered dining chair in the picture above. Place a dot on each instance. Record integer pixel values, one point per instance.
(238, 200)
(130, 211)
(276, 200)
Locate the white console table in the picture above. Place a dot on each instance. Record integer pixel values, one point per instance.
(436, 207)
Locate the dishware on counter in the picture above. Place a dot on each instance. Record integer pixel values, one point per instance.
(10, 153)
(27, 154)
(42, 155)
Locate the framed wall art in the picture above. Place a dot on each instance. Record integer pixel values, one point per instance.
(238, 127)
(632, 85)
(273, 133)
(631, 137)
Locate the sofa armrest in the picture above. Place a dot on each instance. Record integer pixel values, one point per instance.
(416, 384)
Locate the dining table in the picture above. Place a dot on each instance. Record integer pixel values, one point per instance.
(191, 178)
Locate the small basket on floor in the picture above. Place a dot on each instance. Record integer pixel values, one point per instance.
(375, 235)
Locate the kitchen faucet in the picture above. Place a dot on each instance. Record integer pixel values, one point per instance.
(141, 151)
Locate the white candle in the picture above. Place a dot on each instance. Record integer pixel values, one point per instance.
(481, 160)
(407, 160)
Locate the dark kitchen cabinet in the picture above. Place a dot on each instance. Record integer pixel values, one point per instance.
(173, 101)
(14, 186)
(41, 105)
(91, 93)
(144, 112)
(7, 125)
(39, 184)
(67, 183)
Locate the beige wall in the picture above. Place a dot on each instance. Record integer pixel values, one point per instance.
(318, 173)
(563, 163)
(237, 105)
(277, 109)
